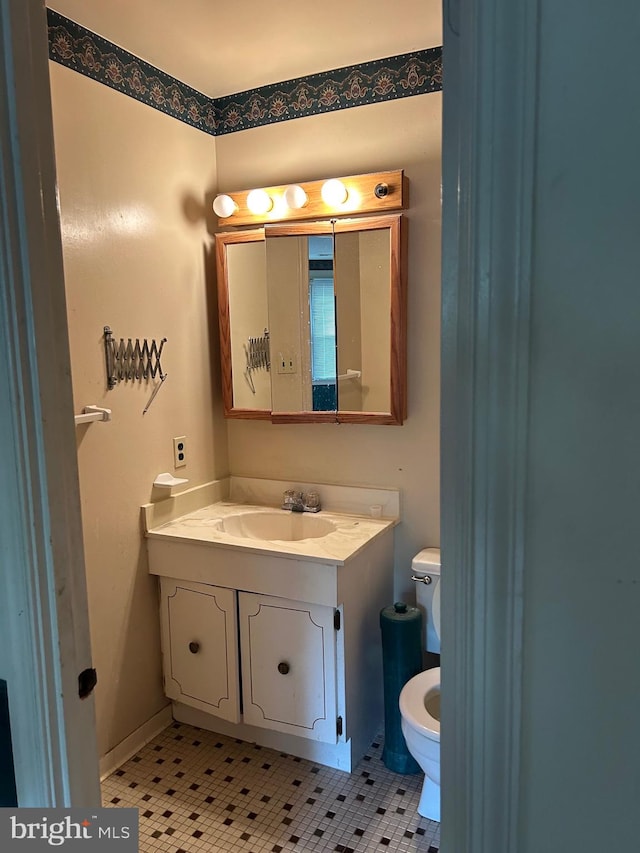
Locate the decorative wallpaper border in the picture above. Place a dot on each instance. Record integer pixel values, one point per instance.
(76, 47)
(353, 86)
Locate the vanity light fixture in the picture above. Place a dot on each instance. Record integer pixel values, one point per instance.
(224, 206)
(334, 193)
(259, 202)
(351, 195)
(295, 197)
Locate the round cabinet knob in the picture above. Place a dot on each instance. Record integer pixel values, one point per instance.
(283, 668)
(194, 648)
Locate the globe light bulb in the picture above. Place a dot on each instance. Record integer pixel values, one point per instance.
(224, 206)
(295, 197)
(334, 192)
(259, 201)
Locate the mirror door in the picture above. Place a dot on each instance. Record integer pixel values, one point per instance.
(244, 324)
(302, 318)
(363, 310)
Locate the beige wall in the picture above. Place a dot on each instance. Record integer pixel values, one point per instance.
(132, 182)
(398, 134)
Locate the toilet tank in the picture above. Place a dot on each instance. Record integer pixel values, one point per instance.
(425, 572)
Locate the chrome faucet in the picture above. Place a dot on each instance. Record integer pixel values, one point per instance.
(311, 502)
(297, 501)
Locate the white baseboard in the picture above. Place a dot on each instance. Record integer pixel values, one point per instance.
(135, 741)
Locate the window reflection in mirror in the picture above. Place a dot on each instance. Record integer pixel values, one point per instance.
(322, 324)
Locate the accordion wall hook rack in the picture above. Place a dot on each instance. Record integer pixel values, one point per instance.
(131, 361)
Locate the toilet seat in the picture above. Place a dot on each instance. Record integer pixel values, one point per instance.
(412, 703)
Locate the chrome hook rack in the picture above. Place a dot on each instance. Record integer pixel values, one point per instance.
(130, 361)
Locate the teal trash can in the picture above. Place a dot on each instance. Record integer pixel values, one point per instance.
(401, 627)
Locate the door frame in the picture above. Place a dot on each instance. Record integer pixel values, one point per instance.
(490, 91)
(44, 627)
(489, 114)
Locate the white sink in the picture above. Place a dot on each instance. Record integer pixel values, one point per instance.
(283, 526)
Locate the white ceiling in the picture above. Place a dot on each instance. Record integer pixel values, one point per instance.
(221, 48)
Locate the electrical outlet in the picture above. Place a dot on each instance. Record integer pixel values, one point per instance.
(179, 451)
(286, 362)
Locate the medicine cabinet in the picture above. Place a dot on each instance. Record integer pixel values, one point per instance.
(313, 321)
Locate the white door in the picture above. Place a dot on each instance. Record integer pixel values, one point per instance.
(200, 647)
(288, 666)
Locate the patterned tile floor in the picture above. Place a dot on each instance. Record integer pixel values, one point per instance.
(200, 792)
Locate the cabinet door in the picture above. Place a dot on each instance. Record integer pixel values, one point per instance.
(288, 666)
(200, 647)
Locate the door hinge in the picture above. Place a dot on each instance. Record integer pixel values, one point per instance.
(87, 680)
(339, 726)
(336, 620)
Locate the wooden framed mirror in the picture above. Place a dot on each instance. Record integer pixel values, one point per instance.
(329, 301)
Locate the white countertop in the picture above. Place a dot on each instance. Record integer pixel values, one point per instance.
(203, 527)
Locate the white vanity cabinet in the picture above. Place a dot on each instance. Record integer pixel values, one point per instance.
(272, 646)
(199, 630)
(289, 666)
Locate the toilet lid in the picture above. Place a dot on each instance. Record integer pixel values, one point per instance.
(435, 610)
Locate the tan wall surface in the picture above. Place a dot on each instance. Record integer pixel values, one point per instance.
(131, 184)
(399, 134)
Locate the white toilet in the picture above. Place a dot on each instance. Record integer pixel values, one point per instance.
(420, 697)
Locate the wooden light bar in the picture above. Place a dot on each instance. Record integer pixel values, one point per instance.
(378, 192)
